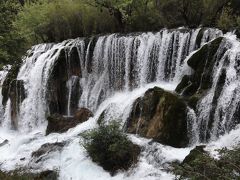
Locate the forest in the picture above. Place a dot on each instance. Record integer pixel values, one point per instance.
(24, 23)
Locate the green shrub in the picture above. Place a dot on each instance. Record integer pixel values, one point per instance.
(200, 165)
(109, 147)
(227, 20)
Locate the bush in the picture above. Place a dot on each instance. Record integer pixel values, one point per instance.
(110, 148)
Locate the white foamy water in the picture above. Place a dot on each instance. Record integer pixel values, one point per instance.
(115, 71)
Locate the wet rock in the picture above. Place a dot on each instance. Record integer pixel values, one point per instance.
(66, 66)
(160, 115)
(4, 143)
(202, 62)
(16, 95)
(83, 114)
(47, 148)
(12, 75)
(58, 123)
(195, 86)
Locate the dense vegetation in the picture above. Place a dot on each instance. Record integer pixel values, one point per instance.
(200, 165)
(27, 22)
(109, 147)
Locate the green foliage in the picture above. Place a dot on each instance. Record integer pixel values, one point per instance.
(58, 20)
(200, 165)
(227, 20)
(109, 147)
(10, 41)
(39, 21)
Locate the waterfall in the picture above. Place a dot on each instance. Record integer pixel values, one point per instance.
(99, 67)
(218, 110)
(107, 74)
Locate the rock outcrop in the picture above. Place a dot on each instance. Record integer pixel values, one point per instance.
(12, 75)
(202, 62)
(59, 123)
(16, 95)
(13, 89)
(160, 115)
(66, 66)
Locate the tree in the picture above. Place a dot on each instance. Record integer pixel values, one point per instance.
(10, 42)
(119, 9)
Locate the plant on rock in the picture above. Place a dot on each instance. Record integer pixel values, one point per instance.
(200, 165)
(110, 148)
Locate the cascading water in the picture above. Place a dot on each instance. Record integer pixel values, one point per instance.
(221, 104)
(107, 64)
(108, 73)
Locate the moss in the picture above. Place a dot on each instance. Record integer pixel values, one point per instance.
(200, 165)
(18, 175)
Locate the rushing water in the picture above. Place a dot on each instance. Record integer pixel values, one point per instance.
(114, 71)
(108, 64)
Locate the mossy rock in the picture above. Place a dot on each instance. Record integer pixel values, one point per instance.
(160, 115)
(200, 165)
(18, 175)
(194, 154)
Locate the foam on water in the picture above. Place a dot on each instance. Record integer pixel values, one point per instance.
(115, 71)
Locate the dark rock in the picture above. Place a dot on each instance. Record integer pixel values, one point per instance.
(160, 115)
(12, 75)
(19, 175)
(47, 148)
(16, 95)
(58, 123)
(4, 143)
(202, 62)
(66, 66)
(47, 175)
(194, 87)
(194, 154)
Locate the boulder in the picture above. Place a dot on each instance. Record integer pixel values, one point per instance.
(160, 115)
(59, 123)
